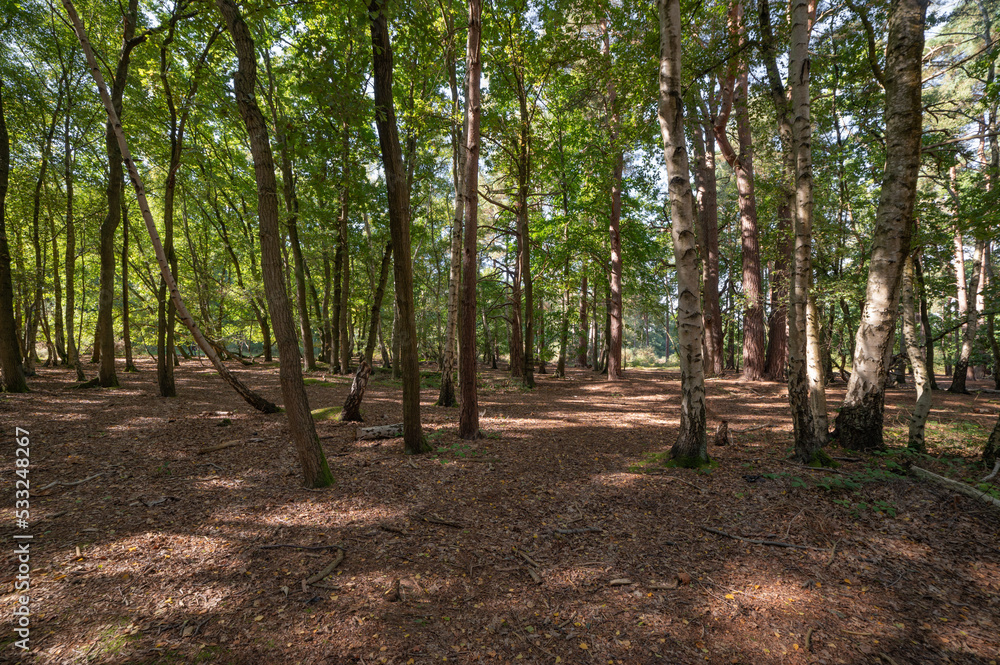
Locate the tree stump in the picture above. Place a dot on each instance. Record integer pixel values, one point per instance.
(722, 434)
(352, 406)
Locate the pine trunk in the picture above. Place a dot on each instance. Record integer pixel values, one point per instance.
(971, 326)
(468, 422)
(376, 313)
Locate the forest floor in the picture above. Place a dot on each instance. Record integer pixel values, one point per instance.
(557, 538)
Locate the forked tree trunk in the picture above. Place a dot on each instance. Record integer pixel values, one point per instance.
(251, 397)
(399, 223)
(971, 326)
(10, 350)
(691, 448)
(915, 346)
(468, 422)
(992, 449)
(861, 416)
(315, 471)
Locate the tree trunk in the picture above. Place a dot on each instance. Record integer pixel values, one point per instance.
(971, 326)
(376, 313)
(524, 245)
(805, 385)
(399, 222)
(60, 333)
(992, 449)
(468, 423)
(10, 352)
(126, 332)
(516, 340)
(446, 396)
(780, 324)
(915, 346)
(315, 471)
(860, 419)
(107, 375)
(584, 336)
(735, 93)
(345, 265)
(616, 372)
(925, 322)
(708, 226)
(352, 406)
(691, 448)
(72, 348)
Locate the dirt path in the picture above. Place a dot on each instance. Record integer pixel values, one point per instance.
(543, 542)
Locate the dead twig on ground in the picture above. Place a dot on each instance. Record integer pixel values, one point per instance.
(221, 446)
(338, 546)
(756, 541)
(434, 519)
(72, 484)
(814, 468)
(326, 571)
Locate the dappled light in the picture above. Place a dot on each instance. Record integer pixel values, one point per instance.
(560, 534)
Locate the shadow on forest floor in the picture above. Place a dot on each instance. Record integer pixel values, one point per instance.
(557, 537)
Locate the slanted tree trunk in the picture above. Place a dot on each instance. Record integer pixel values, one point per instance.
(860, 419)
(399, 223)
(251, 397)
(315, 471)
(468, 421)
(10, 351)
(915, 346)
(691, 448)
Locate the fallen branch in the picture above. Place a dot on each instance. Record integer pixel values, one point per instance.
(755, 541)
(993, 473)
(961, 488)
(663, 472)
(326, 571)
(814, 468)
(72, 484)
(586, 529)
(751, 429)
(393, 431)
(221, 446)
(338, 546)
(527, 558)
(437, 520)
